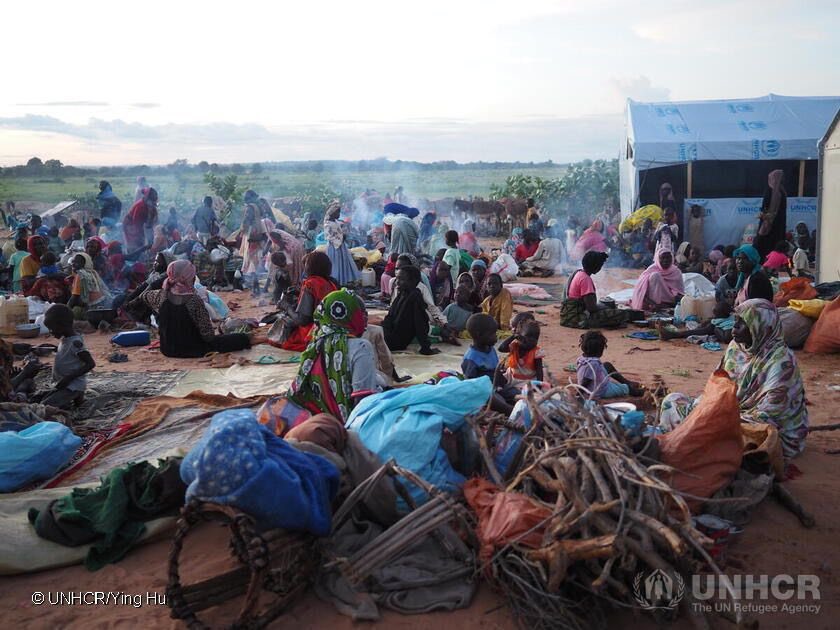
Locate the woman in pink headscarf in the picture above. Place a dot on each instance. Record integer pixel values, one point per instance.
(660, 285)
(185, 327)
(592, 240)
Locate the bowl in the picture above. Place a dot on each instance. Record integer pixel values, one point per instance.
(98, 315)
(28, 331)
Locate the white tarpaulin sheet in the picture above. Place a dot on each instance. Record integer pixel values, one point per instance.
(726, 218)
(770, 127)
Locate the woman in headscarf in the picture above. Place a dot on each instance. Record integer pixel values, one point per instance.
(402, 233)
(715, 259)
(154, 281)
(681, 257)
(770, 387)
(95, 247)
(581, 308)
(115, 273)
(666, 197)
(338, 362)
(184, 323)
(253, 235)
(752, 281)
(467, 240)
(89, 291)
(592, 240)
(440, 281)
(160, 242)
(773, 218)
(427, 230)
(344, 268)
(142, 216)
(479, 275)
(292, 331)
(660, 285)
(282, 241)
(515, 240)
(31, 265)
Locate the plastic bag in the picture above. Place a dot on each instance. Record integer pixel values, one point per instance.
(794, 289)
(808, 308)
(504, 517)
(280, 415)
(825, 335)
(219, 254)
(707, 447)
(506, 267)
(35, 453)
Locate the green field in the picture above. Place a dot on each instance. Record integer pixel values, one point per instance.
(188, 188)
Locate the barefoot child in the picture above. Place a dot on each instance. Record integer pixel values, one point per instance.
(72, 360)
(601, 379)
(525, 361)
(282, 279)
(481, 359)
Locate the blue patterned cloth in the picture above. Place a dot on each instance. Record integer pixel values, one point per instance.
(239, 462)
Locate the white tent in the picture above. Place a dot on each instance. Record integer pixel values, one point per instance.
(717, 153)
(828, 216)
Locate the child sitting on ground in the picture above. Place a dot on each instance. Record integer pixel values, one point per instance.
(499, 302)
(720, 326)
(72, 360)
(49, 265)
(407, 318)
(801, 266)
(481, 359)
(282, 279)
(601, 379)
(459, 311)
(525, 361)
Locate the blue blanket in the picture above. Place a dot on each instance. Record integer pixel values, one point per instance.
(239, 462)
(407, 424)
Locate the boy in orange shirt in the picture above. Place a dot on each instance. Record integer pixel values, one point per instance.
(525, 359)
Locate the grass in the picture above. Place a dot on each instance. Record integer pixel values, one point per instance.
(189, 188)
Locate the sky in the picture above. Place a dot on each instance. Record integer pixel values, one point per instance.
(101, 83)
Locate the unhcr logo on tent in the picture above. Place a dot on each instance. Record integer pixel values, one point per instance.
(765, 148)
(687, 152)
(663, 111)
(752, 125)
(740, 108)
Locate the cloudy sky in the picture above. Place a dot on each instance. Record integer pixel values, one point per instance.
(113, 83)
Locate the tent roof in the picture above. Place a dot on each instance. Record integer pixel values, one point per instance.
(771, 127)
(58, 209)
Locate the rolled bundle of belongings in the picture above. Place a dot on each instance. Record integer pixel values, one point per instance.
(112, 516)
(637, 219)
(707, 447)
(34, 453)
(408, 424)
(241, 463)
(796, 327)
(825, 335)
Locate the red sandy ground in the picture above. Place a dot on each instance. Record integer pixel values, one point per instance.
(773, 543)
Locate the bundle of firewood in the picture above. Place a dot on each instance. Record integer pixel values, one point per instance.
(612, 519)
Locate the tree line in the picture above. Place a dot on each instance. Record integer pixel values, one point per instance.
(36, 167)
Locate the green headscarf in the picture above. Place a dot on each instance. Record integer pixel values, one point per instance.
(752, 254)
(324, 383)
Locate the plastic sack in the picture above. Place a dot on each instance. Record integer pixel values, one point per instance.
(507, 443)
(697, 285)
(825, 335)
(808, 308)
(506, 267)
(795, 327)
(504, 517)
(707, 447)
(219, 254)
(35, 453)
(794, 289)
(637, 219)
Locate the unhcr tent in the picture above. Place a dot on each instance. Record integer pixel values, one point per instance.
(828, 205)
(717, 154)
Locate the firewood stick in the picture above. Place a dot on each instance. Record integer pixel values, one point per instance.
(787, 500)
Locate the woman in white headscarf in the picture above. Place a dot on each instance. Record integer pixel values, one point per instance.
(344, 268)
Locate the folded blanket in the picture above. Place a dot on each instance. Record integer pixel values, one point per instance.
(241, 463)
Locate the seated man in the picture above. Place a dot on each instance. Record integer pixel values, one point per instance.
(407, 318)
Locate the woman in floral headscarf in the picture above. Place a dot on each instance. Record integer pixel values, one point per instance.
(337, 363)
(770, 387)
